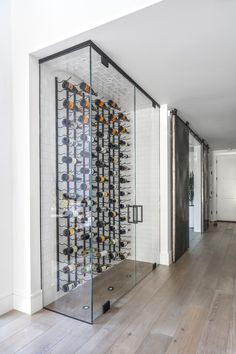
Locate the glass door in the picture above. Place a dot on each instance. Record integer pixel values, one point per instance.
(146, 209)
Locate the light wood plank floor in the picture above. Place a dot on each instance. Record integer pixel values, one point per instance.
(189, 307)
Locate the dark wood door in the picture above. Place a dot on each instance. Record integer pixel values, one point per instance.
(180, 187)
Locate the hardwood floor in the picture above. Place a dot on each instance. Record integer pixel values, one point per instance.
(189, 307)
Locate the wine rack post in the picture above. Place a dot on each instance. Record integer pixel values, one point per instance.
(84, 178)
(75, 188)
(119, 181)
(98, 195)
(103, 187)
(113, 189)
(57, 184)
(68, 181)
(109, 183)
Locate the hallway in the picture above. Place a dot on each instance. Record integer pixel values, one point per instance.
(189, 307)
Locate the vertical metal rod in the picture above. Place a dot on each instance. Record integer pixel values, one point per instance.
(103, 185)
(57, 183)
(68, 182)
(75, 186)
(98, 198)
(119, 239)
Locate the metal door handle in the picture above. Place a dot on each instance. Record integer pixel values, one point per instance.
(139, 216)
(133, 214)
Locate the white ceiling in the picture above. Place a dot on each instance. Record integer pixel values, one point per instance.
(183, 52)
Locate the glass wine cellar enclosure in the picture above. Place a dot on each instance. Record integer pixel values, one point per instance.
(99, 182)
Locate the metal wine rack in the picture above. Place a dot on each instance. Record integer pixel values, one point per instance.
(88, 165)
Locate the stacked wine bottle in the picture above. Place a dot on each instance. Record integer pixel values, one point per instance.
(93, 173)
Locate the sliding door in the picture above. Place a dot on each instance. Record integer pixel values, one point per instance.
(180, 187)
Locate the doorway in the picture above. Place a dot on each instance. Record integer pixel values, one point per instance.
(195, 190)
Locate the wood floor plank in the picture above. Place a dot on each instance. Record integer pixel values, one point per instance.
(186, 338)
(155, 343)
(216, 331)
(9, 317)
(189, 308)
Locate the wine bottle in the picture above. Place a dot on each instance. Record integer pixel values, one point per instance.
(124, 255)
(101, 179)
(102, 194)
(113, 159)
(86, 88)
(113, 242)
(113, 173)
(69, 232)
(123, 130)
(122, 116)
(69, 123)
(86, 171)
(70, 286)
(121, 154)
(113, 213)
(123, 206)
(69, 141)
(85, 103)
(123, 193)
(88, 268)
(113, 131)
(85, 153)
(113, 104)
(101, 104)
(72, 249)
(113, 118)
(113, 227)
(84, 119)
(100, 164)
(101, 149)
(85, 236)
(102, 253)
(113, 186)
(100, 134)
(70, 87)
(123, 218)
(113, 255)
(113, 200)
(124, 143)
(102, 209)
(84, 186)
(68, 177)
(102, 238)
(123, 180)
(113, 146)
(124, 231)
(102, 223)
(71, 105)
(71, 196)
(73, 160)
(100, 118)
(124, 168)
(71, 267)
(124, 243)
(102, 268)
(85, 252)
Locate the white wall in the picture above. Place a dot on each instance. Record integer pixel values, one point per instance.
(6, 258)
(165, 187)
(223, 171)
(35, 25)
(197, 188)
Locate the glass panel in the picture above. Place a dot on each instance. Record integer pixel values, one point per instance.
(114, 148)
(65, 185)
(147, 184)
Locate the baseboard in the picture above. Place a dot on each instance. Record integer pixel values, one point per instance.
(166, 258)
(28, 303)
(6, 303)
